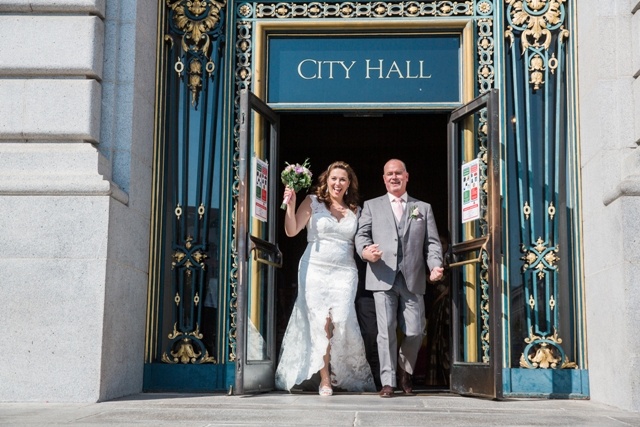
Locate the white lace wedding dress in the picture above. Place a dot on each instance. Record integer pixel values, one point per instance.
(328, 280)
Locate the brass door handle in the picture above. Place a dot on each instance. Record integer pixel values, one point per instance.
(461, 263)
(474, 260)
(261, 247)
(259, 259)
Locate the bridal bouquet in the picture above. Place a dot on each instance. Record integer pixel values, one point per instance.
(296, 176)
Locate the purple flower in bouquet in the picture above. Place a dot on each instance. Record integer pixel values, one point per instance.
(296, 176)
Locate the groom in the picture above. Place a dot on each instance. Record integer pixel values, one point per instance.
(398, 238)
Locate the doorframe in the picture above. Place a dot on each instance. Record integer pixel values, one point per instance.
(251, 38)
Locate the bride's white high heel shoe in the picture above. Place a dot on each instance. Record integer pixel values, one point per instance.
(325, 390)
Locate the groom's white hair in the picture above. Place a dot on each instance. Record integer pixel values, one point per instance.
(404, 165)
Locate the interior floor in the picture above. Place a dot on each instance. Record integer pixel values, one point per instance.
(366, 143)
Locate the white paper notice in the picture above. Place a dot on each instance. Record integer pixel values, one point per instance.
(470, 191)
(260, 189)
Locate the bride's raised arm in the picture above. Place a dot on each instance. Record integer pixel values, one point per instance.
(294, 222)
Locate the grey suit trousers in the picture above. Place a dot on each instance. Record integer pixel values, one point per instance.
(393, 307)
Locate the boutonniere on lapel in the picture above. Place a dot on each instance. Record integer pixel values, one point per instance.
(414, 213)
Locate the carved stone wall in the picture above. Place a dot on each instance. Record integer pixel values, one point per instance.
(76, 132)
(609, 102)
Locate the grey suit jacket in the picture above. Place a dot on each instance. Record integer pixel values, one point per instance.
(420, 243)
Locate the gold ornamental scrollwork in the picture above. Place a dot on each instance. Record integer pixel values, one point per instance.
(245, 10)
(485, 7)
(446, 9)
(540, 258)
(543, 358)
(553, 63)
(195, 80)
(526, 209)
(349, 10)
(195, 18)
(185, 352)
(536, 68)
(536, 21)
(175, 333)
(179, 67)
(179, 257)
(535, 16)
(551, 210)
(545, 352)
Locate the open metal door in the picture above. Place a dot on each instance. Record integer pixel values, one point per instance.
(476, 244)
(258, 253)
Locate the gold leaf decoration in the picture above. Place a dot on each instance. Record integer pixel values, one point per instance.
(540, 257)
(536, 32)
(547, 355)
(195, 18)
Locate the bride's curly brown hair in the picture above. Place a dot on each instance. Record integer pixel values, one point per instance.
(351, 196)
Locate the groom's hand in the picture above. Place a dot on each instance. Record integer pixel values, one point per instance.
(436, 274)
(371, 253)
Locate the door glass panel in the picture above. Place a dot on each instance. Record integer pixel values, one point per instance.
(473, 338)
(257, 330)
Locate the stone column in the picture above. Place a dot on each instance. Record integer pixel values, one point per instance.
(76, 132)
(609, 103)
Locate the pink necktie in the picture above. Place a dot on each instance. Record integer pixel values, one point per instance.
(397, 208)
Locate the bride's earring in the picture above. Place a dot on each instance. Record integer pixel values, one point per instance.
(346, 192)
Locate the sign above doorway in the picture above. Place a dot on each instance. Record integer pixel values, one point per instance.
(365, 71)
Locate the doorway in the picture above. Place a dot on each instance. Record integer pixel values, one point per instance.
(366, 142)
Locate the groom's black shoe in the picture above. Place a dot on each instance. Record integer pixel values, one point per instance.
(387, 391)
(404, 381)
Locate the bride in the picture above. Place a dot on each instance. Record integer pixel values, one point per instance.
(323, 334)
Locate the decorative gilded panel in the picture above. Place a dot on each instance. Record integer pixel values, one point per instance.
(188, 208)
(538, 153)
